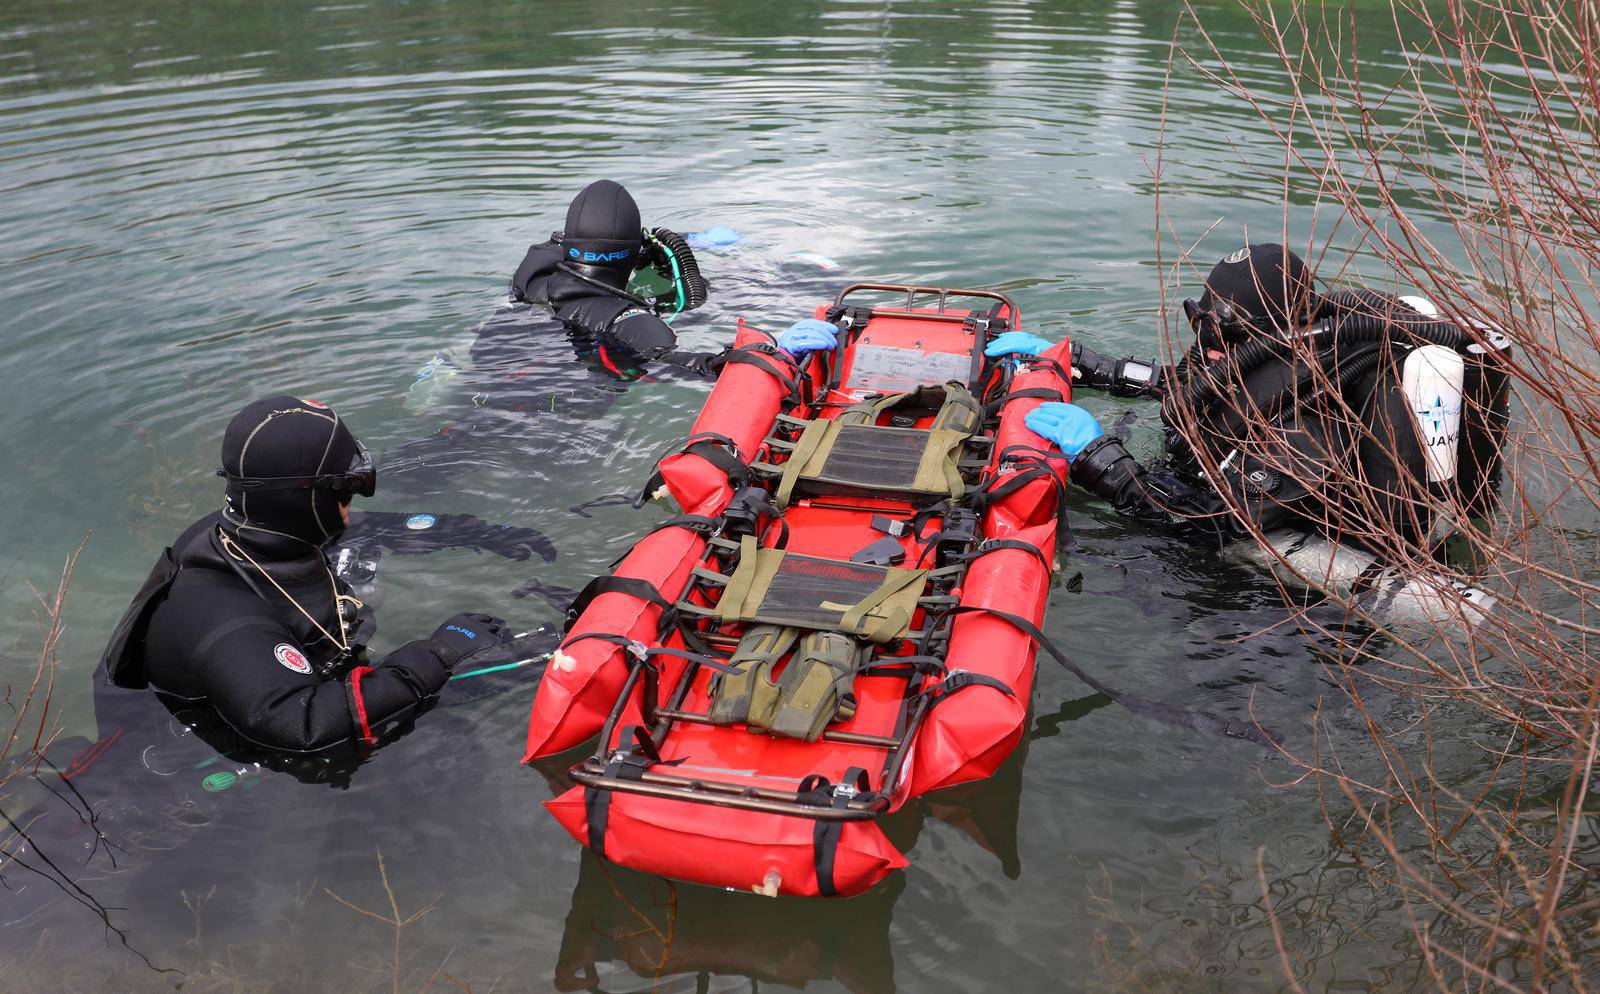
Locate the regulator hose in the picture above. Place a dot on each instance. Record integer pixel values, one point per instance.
(676, 261)
(1350, 317)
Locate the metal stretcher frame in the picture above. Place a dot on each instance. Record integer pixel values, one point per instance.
(658, 720)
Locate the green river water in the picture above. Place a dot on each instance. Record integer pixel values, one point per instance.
(205, 203)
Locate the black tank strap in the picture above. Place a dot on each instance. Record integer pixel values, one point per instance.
(1045, 362)
(717, 449)
(763, 356)
(693, 522)
(639, 653)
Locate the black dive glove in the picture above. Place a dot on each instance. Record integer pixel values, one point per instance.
(1106, 469)
(467, 633)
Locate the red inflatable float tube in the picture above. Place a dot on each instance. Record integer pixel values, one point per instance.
(748, 395)
(968, 736)
(584, 678)
(748, 851)
(1035, 502)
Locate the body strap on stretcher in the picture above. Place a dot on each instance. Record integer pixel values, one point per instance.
(854, 452)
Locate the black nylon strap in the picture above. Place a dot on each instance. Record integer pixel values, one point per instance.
(961, 680)
(1198, 720)
(597, 811)
(717, 449)
(825, 834)
(762, 356)
(638, 652)
(1045, 362)
(824, 849)
(1028, 393)
(926, 665)
(693, 522)
(607, 584)
(989, 545)
(721, 452)
(636, 752)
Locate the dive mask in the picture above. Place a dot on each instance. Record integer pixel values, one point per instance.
(360, 477)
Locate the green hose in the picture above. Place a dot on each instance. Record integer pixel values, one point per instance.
(677, 278)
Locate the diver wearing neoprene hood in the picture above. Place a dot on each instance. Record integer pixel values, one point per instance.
(245, 611)
(568, 301)
(581, 274)
(1266, 341)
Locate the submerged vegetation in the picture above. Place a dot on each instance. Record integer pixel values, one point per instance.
(1466, 161)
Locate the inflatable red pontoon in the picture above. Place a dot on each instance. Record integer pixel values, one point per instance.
(839, 618)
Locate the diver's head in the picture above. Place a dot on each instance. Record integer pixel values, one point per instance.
(1259, 289)
(603, 237)
(293, 467)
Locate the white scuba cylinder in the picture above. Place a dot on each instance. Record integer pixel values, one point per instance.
(1432, 379)
(1308, 561)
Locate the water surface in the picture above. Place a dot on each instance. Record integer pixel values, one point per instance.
(207, 204)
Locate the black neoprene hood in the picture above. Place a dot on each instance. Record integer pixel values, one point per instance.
(285, 438)
(1266, 285)
(603, 228)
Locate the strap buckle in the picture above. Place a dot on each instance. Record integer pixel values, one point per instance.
(846, 792)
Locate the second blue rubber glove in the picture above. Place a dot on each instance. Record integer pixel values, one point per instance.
(810, 335)
(1068, 425)
(1017, 343)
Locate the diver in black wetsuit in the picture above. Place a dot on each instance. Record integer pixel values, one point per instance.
(569, 300)
(1242, 369)
(245, 612)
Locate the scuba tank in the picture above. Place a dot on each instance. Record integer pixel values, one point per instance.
(1432, 378)
(1345, 573)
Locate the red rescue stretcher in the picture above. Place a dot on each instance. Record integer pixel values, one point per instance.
(842, 617)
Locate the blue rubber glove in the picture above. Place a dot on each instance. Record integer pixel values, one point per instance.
(1068, 425)
(714, 237)
(809, 335)
(1017, 343)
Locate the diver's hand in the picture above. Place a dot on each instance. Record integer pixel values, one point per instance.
(467, 633)
(1017, 343)
(810, 335)
(1069, 426)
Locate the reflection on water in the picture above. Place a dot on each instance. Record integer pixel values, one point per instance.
(208, 203)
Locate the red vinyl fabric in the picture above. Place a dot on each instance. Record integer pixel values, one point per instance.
(962, 737)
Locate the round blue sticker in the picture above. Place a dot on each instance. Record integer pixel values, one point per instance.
(417, 522)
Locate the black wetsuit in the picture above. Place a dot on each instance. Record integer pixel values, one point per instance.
(279, 675)
(1279, 477)
(523, 371)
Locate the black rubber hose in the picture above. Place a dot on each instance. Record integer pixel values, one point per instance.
(1352, 318)
(694, 284)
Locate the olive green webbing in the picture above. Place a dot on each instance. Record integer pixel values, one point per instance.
(749, 693)
(813, 689)
(749, 582)
(894, 602)
(817, 438)
(872, 602)
(936, 473)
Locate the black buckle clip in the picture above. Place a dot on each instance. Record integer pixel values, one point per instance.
(888, 525)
